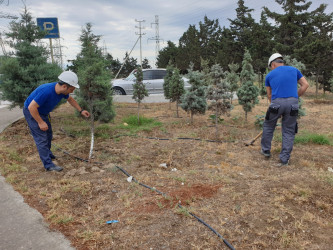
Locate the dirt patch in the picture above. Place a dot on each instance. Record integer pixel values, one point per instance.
(242, 195)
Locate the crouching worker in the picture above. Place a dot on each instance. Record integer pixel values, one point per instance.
(37, 108)
(281, 84)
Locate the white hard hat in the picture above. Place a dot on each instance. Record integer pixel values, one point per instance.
(70, 78)
(273, 57)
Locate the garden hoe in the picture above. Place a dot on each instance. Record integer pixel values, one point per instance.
(253, 140)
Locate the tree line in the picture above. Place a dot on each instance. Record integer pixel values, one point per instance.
(297, 32)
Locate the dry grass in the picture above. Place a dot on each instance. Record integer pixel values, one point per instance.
(246, 198)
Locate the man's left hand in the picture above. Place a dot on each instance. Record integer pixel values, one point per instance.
(85, 113)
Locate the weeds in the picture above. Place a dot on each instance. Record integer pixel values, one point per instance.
(312, 138)
(183, 211)
(308, 138)
(131, 123)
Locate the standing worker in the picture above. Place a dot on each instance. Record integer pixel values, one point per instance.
(37, 108)
(281, 84)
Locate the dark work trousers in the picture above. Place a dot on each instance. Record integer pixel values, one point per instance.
(288, 109)
(42, 138)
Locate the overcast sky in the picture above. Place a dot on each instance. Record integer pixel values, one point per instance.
(115, 20)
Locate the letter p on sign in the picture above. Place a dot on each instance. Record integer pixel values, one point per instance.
(50, 25)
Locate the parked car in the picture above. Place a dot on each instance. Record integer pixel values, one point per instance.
(152, 78)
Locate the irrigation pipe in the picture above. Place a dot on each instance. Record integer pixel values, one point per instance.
(76, 157)
(156, 138)
(180, 206)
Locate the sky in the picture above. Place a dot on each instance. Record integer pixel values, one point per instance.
(116, 20)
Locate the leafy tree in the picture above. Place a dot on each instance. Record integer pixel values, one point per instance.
(262, 45)
(167, 54)
(145, 64)
(112, 64)
(196, 44)
(248, 92)
(219, 93)
(225, 55)
(242, 28)
(139, 90)
(210, 39)
(95, 92)
(176, 88)
(233, 78)
(130, 64)
(194, 99)
(189, 49)
(28, 69)
(292, 25)
(331, 83)
(318, 47)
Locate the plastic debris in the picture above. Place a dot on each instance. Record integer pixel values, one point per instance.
(330, 170)
(125, 124)
(163, 165)
(111, 221)
(129, 179)
(174, 169)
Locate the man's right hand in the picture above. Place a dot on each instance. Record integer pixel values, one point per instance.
(43, 126)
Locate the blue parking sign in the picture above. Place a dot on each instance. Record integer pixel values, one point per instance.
(49, 24)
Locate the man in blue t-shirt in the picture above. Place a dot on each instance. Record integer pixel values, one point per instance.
(283, 92)
(37, 108)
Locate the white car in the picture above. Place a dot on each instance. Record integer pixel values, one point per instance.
(152, 78)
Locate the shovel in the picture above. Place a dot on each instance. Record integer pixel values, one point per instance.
(253, 140)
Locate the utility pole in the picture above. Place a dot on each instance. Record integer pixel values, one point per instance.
(140, 36)
(2, 46)
(156, 38)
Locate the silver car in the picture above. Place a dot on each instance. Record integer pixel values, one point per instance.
(152, 78)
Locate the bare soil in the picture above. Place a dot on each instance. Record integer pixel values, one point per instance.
(245, 197)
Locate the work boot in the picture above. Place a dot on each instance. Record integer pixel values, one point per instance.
(266, 153)
(54, 168)
(282, 164)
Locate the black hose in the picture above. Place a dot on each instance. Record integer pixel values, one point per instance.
(76, 157)
(144, 185)
(160, 139)
(200, 220)
(207, 225)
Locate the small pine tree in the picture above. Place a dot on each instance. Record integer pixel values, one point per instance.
(139, 90)
(167, 81)
(248, 92)
(218, 92)
(205, 70)
(233, 78)
(95, 93)
(263, 90)
(194, 99)
(176, 88)
(28, 69)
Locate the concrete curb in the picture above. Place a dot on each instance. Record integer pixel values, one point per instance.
(22, 227)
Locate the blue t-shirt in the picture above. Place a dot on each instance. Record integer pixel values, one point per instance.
(283, 81)
(46, 97)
